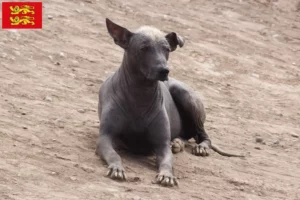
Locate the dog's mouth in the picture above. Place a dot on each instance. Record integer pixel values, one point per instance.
(159, 75)
(163, 77)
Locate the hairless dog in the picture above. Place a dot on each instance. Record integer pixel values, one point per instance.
(146, 110)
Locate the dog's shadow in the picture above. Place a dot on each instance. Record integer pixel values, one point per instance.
(139, 161)
(147, 161)
(133, 161)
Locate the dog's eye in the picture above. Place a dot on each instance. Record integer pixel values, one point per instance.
(145, 48)
(166, 48)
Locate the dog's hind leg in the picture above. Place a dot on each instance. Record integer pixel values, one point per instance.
(193, 115)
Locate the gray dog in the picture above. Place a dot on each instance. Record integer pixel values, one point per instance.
(144, 109)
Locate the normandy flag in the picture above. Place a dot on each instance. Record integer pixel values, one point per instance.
(22, 15)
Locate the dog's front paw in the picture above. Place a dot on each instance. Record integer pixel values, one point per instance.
(116, 172)
(166, 179)
(201, 149)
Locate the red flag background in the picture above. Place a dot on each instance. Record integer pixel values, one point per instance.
(22, 15)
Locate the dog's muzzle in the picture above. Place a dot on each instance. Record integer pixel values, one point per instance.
(163, 74)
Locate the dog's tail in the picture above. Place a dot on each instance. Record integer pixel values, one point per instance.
(224, 153)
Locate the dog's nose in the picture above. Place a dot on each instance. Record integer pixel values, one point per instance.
(164, 71)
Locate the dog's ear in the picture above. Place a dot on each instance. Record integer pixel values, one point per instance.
(174, 39)
(120, 35)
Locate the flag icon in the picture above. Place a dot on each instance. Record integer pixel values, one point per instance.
(22, 15)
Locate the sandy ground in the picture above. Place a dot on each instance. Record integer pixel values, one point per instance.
(242, 56)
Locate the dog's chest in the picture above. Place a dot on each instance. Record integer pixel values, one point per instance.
(136, 137)
(138, 126)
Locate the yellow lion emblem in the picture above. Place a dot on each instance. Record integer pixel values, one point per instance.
(23, 20)
(15, 10)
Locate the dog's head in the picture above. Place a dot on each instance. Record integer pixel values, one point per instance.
(147, 48)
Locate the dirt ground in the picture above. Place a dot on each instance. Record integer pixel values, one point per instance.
(243, 57)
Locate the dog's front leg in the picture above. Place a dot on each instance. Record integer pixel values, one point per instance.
(106, 151)
(110, 127)
(165, 175)
(160, 135)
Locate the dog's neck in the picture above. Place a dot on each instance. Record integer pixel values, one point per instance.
(140, 94)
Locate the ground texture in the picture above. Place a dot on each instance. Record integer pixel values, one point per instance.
(242, 56)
